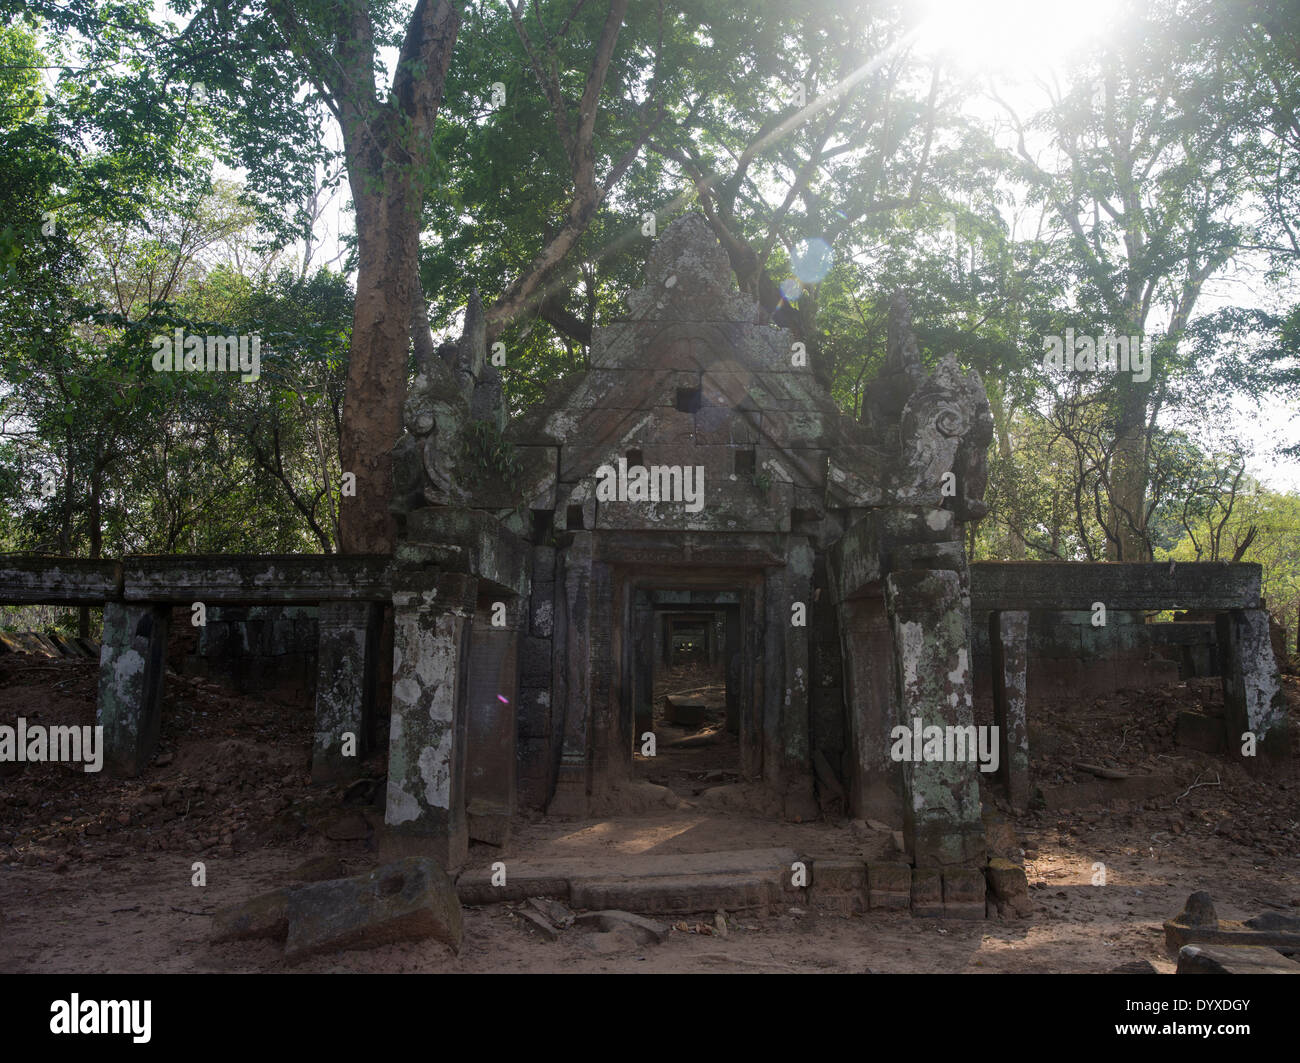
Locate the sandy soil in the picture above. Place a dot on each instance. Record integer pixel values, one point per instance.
(96, 874)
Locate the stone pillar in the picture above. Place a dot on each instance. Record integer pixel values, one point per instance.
(1252, 690)
(1008, 643)
(571, 782)
(490, 710)
(132, 659)
(432, 621)
(735, 674)
(787, 684)
(942, 825)
(875, 788)
(643, 661)
(611, 742)
(347, 647)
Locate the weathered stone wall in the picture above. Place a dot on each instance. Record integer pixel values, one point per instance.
(1067, 655)
(254, 649)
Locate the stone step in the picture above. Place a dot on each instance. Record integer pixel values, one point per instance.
(680, 894)
(747, 876)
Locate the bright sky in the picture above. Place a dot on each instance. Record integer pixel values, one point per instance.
(1014, 41)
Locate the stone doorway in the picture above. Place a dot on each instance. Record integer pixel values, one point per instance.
(697, 634)
(687, 688)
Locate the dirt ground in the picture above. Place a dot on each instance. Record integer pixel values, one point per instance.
(96, 874)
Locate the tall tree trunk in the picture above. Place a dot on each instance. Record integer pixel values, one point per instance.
(388, 238)
(1129, 474)
(388, 147)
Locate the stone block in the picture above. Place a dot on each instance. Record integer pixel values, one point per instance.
(1210, 959)
(839, 885)
(964, 892)
(927, 893)
(403, 901)
(889, 886)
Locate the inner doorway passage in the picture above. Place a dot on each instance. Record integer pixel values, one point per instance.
(692, 701)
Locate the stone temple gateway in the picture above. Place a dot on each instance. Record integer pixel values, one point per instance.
(524, 582)
(542, 567)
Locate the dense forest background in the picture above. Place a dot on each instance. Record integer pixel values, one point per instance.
(183, 167)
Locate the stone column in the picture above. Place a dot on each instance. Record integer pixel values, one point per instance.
(941, 801)
(490, 709)
(347, 646)
(611, 744)
(1008, 643)
(432, 621)
(787, 684)
(1252, 690)
(868, 655)
(570, 797)
(735, 677)
(132, 659)
(643, 661)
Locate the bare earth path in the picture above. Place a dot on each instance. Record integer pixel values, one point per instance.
(95, 874)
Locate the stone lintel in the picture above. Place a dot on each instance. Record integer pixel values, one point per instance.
(256, 578)
(1076, 585)
(41, 580)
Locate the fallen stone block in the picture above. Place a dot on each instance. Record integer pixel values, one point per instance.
(1274, 921)
(1229, 933)
(1198, 924)
(889, 886)
(264, 916)
(685, 712)
(406, 900)
(1198, 911)
(645, 931)
(1237, 959)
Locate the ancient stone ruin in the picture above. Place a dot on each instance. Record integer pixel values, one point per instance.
(695, 488)
(698, 453)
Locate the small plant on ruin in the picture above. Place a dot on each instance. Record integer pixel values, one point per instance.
(486, 449)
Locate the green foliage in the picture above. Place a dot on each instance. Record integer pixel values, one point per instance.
(486, 451)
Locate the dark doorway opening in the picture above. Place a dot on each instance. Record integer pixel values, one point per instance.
(690, 696)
